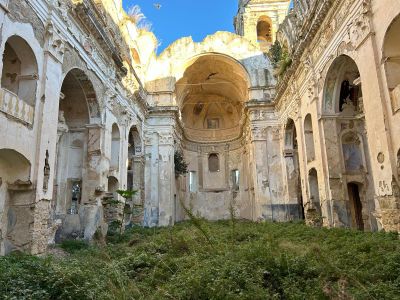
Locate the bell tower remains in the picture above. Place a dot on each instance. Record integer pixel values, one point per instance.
(258, 20)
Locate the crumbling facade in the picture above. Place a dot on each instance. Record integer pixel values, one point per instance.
(87, 108)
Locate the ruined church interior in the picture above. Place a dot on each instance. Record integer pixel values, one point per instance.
(294, 116)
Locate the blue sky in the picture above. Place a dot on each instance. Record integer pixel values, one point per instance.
(179, 18)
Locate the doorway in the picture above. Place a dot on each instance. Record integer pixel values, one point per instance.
(355, 206)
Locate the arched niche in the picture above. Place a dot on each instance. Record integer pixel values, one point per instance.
(20, 70)
(355, 205)
(342, 91)
(113, 185)
(213, 162)
(134, 164)
(115, 147)
(309, 138)
(210, 95)
(264, 32)
(78, 110)
(313, 186)
(16, 197)
(352, 151)
(135, 56)
(391, 55)
(292, 167)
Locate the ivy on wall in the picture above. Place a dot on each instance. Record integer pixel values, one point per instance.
(280, 59)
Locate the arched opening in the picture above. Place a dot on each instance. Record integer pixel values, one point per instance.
(20, 71)
(391, 54)
(315, 202)
(134, 151)
(211, 95)
(235, 177)
(345, 133)
(113, 186)
(309, 138)
(77, 95)
(135, 56)
(293, 170)
(16, 197)
(355, 205)
(264, 32)
(213, 162)
(115, 147)
(19, 79)
(343, 93)
(135, 166)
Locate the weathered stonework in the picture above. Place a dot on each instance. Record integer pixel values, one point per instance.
(85, 112)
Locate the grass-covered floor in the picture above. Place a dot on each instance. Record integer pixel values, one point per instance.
(226, 261)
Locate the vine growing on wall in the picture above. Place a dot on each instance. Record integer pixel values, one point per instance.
(181, 166)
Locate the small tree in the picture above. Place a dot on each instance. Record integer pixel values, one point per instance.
(181, 166)
(280, 58)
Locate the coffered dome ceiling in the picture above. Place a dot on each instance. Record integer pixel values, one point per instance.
(211, 95)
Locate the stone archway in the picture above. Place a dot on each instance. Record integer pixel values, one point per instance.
(391, 55)
(293, 172)
(309, 138)
(115, 147)
(16, 197)
(345, 132)
(79, 143)
(19, 80)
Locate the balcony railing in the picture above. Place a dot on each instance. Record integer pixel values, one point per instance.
(205, 135)
(13, 106)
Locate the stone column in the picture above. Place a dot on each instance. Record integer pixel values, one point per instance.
(94, 184)
(47, 117)
(167, 179)
(266, 162)
(151, 175)
(387, 198)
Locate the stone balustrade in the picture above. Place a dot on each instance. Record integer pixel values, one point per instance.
(207, 135)
(12, 105)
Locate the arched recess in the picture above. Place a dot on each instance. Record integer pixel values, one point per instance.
(135, 56)
(342, 91)
(213, 162)
(210, 95)
(264, 32)
(135, 169)
(313, 186)
(309, 138)
(293, 171)
(16, 198)
(78, 112)
(115, 147)
(19, 80)
(20, 70)
(391, 56)
(346, 152)
(355, 205)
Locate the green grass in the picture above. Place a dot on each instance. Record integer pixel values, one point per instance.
(222, 261)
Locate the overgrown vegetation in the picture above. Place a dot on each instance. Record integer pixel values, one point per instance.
(181, 166)
(243, 260)
(280, 59)
(129, 209)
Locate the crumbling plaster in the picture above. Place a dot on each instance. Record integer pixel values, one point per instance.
(127, 85)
